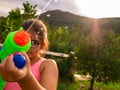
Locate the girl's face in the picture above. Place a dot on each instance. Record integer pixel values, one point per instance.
(35, 45)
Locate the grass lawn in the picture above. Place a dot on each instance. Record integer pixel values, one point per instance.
(83, 85)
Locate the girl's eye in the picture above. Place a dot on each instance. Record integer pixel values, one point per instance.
(35, 42)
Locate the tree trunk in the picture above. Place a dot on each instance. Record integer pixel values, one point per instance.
(92, 83)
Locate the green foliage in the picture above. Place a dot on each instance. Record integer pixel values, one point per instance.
(59, 39)
(100, 59)
(29, 10)
(61, 86)
(6, 28)
(84, 85)
(68, 86)
(15, 18)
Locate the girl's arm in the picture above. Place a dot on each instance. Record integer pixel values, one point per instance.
(30, 83)
(49, 74)
(23, 76)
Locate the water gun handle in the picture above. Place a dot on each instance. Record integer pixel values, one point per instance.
(19, 60)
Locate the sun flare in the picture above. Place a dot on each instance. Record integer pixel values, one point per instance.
(98, 8)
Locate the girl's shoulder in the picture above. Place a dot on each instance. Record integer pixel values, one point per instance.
(48, 63)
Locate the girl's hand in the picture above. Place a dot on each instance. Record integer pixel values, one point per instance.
(10, 72)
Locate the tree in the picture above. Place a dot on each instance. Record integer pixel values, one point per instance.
(15, 17)
(99, 57)
(59, 40)
(2, 23)
(7, 27)
(29, 11)
(13, 21)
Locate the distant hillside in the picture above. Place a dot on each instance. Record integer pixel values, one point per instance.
(58, 17)
(110, 23)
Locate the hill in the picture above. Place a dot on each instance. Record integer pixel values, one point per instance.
(58, 17)
(61, 18)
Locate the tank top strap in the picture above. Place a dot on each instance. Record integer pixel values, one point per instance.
(35, 68)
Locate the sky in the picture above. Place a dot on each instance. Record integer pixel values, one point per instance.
(88, 8)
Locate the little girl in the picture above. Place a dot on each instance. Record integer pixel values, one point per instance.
(39, 73)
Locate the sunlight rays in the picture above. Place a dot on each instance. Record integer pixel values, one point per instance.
(98, 8)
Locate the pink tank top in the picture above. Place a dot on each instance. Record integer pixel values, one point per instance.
(35, 71)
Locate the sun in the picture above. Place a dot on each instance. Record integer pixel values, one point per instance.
(89, 8)
(97, 8)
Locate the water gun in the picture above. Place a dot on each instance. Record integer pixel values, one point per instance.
(17, 41)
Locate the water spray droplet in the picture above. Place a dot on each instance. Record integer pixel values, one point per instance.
(48, 15)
